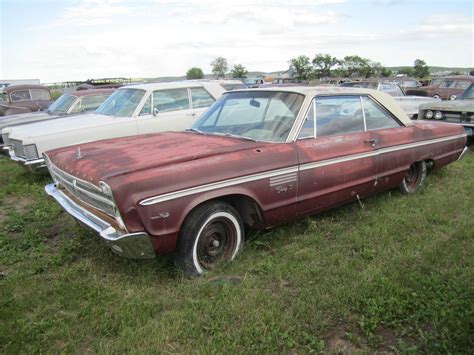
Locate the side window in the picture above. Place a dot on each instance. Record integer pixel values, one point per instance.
(171, 100)
(461, 84)
(146, 110)
(336, 115)
(20, 95)
(445, 84)
(307, 131)
(201, 98)
(40, 95)
(390, 89)
(376, 117)
(90, 103)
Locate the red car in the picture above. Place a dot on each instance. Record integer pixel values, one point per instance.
(256, 158)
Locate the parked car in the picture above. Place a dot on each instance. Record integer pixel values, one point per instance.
(69, 104)
(130, 110)
(449, 87)
(409, 104)
(254, 82)
(17, 99)
(407, 83)
(459, 111)
(256, 158)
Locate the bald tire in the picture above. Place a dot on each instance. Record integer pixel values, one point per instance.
(212, 233)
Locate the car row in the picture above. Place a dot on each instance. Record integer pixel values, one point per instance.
(168, 181)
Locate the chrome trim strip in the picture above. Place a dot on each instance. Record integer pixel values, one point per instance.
(216, 185)
(133, 245)
(464, 152)
(268, 174)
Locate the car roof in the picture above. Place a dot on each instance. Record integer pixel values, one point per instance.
(311, 91)
(166, 85)
(90, 92)
(12, 88)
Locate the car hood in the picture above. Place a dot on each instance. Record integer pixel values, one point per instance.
(452, 105)
(6, 121)
(60, 125)
(105, 159)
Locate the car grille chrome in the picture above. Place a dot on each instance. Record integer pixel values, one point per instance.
(17, 147)
(83, 190)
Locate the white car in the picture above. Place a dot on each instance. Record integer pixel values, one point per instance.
(130, 110)
(408, 103)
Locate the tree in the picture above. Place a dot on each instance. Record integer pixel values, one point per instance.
(239, 71)
(194, 73)
(303, 68)
(219, 67)
(407, 71)
(323, 63)
(356, 66)
(420, 69)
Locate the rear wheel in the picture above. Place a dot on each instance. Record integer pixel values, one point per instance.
(452, 97)
(213, 233)
(414, 178)
(436, 96)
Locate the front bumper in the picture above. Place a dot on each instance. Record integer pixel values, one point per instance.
(132, 245)
(32, 165)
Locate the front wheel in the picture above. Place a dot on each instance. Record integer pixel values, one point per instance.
(436, 97)
(212, 233)
(414, 178)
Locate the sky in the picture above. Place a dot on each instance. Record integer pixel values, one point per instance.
(72, 40)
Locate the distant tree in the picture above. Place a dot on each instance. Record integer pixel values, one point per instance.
(407, 71)
(385, 72)
(194, 73)
(239, 71)
(219, 67)
(471, 73)
(303, 68)
(354, 65)
(420, 69)
(323, 63)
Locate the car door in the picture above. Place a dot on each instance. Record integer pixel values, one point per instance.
(389, 137)
(166, 110)
(337, 160)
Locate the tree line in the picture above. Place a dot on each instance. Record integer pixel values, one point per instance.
(321, 66)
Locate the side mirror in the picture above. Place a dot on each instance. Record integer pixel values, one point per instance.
(155, 111)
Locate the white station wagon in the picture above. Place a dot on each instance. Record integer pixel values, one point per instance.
(130, 110)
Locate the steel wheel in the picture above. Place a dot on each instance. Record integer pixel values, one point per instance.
(414, 178)
(211, 234)
(216, 242)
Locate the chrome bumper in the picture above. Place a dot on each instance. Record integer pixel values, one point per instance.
(132, 246)
(32, 165)
(464, 152)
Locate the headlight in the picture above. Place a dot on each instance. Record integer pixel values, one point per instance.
(30, 152)
(429, 114)
(438, 115)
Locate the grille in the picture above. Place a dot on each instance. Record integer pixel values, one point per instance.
(17, 147)
(83, 190)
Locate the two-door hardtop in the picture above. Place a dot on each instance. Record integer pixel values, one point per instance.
(256, 158)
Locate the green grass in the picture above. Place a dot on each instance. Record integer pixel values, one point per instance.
(396, 275)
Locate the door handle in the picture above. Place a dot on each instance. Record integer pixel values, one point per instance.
(191, 114)
(371, 141)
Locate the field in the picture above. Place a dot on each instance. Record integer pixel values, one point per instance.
(395, 274)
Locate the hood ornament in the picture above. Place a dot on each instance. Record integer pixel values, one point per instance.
(79, 155)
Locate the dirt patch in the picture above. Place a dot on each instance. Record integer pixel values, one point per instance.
(338, 343)
(18, 203)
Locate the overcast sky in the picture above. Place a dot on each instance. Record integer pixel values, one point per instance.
(81, 39)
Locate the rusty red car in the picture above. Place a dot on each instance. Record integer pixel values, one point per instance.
(257, 158)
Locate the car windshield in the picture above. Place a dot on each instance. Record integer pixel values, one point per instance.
(468, 94)
(410, 84)
(257, 115)
(361, 84)
(250, 81)
(62, 104)
(122, 103)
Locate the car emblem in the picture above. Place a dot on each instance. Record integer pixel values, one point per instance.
(78, 156)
